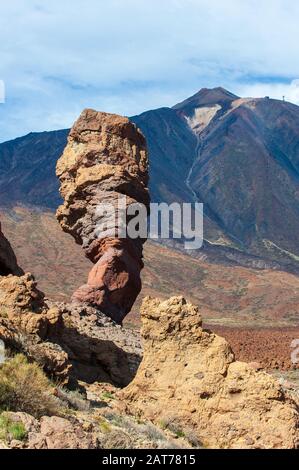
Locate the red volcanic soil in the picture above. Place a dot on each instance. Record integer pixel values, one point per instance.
(271, 347)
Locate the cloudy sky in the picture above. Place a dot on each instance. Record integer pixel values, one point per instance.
(128, 56)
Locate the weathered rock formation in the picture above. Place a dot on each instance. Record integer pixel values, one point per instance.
(69, 342)
(105, 158)
(26, 323)
(98, 348)
(8, 261)
(189, 379)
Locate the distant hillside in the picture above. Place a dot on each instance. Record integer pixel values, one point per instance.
(27, 169)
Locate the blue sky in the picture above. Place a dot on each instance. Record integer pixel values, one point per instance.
(127, 56)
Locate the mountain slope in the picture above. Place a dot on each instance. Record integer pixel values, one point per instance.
(27, 169)
(240, 157)
(206, 97)
(246, 172)
(172, 148)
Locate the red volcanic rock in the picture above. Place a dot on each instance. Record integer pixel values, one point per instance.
(105, 158)
(115, 279)
(8, 260)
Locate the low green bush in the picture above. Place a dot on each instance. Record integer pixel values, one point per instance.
(11, 429)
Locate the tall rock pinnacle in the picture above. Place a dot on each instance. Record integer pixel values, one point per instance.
(105, 158)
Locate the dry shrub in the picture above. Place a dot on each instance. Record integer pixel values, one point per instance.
(117, 439)
(25, 387)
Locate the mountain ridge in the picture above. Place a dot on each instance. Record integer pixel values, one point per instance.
(207, 96)
(239, 156)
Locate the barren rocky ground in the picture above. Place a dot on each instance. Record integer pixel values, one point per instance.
(270, 347)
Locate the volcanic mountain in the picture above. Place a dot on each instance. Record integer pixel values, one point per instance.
(239, 156)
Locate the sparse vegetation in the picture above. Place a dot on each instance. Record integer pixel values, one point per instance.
(180, 433)
(113, 418)
(107, 396)
(152, 432)
(117, 439)
(140, 430)
(11, 429)
(24, 387)
(73, 399)
(171, 423)
(105, 426)
(3, 312)
(191, 437)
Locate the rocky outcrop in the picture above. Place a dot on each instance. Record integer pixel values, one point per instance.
(8, 261)
(105, 158)
(98, 348)
(99, 427)
(26, 323)
(69, 342)
(189, 378)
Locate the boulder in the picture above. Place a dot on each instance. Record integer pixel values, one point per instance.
(60, 433)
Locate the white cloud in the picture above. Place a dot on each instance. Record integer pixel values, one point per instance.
(290, 92)
(130, 55)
